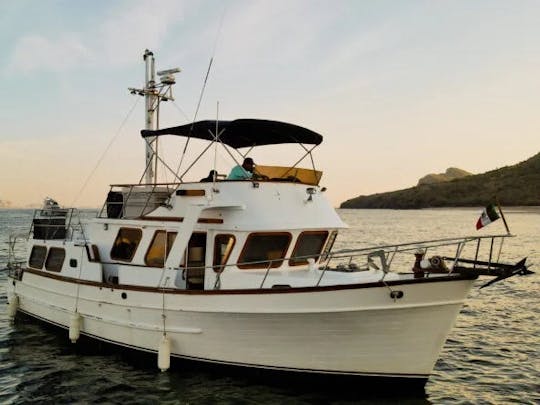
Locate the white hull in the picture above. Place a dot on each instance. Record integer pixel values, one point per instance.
(358, 331)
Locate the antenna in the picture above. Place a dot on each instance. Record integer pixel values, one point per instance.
(169, 71)
(154, 93)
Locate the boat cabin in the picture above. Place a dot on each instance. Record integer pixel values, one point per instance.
(204, 235)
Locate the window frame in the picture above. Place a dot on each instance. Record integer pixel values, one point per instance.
(276, 263)
(302, 262)
(128, 260)
(218, 267)
(42, 261)
(56, 269)
(168, 246)
(332, 236)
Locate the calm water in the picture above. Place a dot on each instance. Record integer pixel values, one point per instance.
(491, 356)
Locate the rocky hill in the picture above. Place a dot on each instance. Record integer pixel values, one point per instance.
(512, 185)
(451, 173)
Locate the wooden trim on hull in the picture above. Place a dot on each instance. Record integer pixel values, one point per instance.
(419, 378)
(449, 278)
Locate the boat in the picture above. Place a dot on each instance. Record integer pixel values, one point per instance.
(243, 273)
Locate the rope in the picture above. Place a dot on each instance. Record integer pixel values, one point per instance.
(216, 138)
(105, 152)
(195, 117)
(181, 111)
(209, 65)
(202, 89)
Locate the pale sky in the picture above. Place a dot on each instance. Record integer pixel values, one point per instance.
(398, 89)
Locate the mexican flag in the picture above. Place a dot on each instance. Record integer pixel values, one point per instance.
(488, 216)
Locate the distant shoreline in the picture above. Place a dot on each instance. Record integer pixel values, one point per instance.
(513, 186)
(516, 208)
(510, 208)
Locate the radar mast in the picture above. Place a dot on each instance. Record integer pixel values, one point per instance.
(153, 94)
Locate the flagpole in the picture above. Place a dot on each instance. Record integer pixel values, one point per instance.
(502, 216)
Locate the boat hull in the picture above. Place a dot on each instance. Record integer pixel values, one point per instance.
(353, 331)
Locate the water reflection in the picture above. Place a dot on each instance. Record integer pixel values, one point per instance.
(43, 365)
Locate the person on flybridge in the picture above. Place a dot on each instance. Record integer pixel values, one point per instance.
(211, 177)
(243, 172)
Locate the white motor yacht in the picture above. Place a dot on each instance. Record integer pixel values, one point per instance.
(243, 272)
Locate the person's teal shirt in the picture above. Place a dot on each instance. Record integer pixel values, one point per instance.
(239, 173)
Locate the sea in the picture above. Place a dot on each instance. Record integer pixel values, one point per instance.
(492, 355)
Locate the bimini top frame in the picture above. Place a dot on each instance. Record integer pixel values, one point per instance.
(242, 133)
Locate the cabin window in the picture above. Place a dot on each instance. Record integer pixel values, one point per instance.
(55, 259)
(126, 243)
(37, 257)
(329, 246)
(223, 245)
(308, 245)
(264, 248)
(159, 248)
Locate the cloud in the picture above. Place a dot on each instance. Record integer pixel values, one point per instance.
(143, 25)
(124, 32)
(263, 30)
(35, 52)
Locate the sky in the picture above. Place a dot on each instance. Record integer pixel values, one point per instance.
(398, 89)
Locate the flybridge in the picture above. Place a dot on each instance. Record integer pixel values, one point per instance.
(239, 133)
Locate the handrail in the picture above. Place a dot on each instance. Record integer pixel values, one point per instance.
(385, 254)
(71, 224)
(414, 244)
(128, 202)
(145, 184)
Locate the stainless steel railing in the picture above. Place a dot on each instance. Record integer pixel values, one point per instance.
(135, 200)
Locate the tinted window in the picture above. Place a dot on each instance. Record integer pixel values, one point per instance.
(37, 257)
(223, 245)
(159, 248)
(55, 259)
(264, 247)
(126, 243)
(309, 244)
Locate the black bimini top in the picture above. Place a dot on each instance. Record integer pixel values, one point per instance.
(243, 133)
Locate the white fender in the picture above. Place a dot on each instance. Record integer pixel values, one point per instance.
(13, 305)
(74, 327)
(164, 354)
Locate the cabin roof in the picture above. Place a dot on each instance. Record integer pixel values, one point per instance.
(243, 133)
